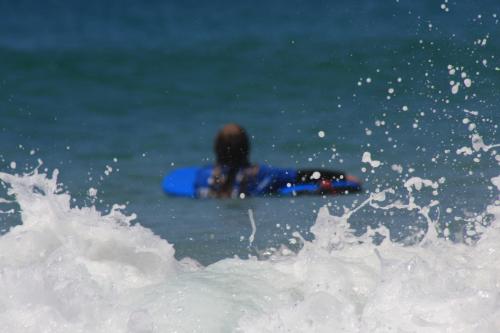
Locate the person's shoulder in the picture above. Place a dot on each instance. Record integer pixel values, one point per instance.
(205, 168)
(263, 167)
(276, 172)
(203, 173)
(271, 168)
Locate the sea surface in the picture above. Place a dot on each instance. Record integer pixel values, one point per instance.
(100, 99)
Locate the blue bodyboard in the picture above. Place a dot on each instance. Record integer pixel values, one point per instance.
(181, 182)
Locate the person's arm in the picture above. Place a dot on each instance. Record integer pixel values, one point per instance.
(328, 181)
(308, 176)
(272, 180)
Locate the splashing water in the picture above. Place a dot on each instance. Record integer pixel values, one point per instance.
(74, 269)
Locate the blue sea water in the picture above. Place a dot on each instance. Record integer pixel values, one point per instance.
(116, 94)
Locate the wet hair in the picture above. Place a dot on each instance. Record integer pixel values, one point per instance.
(232, 147)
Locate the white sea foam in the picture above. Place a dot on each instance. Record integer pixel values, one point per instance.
(69, 269)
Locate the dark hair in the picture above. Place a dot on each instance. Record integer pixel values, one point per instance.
(232, 146)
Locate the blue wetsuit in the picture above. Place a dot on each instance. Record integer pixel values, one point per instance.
(265, 180)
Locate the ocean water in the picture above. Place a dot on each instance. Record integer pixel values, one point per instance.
(99, 100)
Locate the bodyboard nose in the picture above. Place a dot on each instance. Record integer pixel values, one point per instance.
(180, 182)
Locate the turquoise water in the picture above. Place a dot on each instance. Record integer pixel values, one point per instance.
(143, 87)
